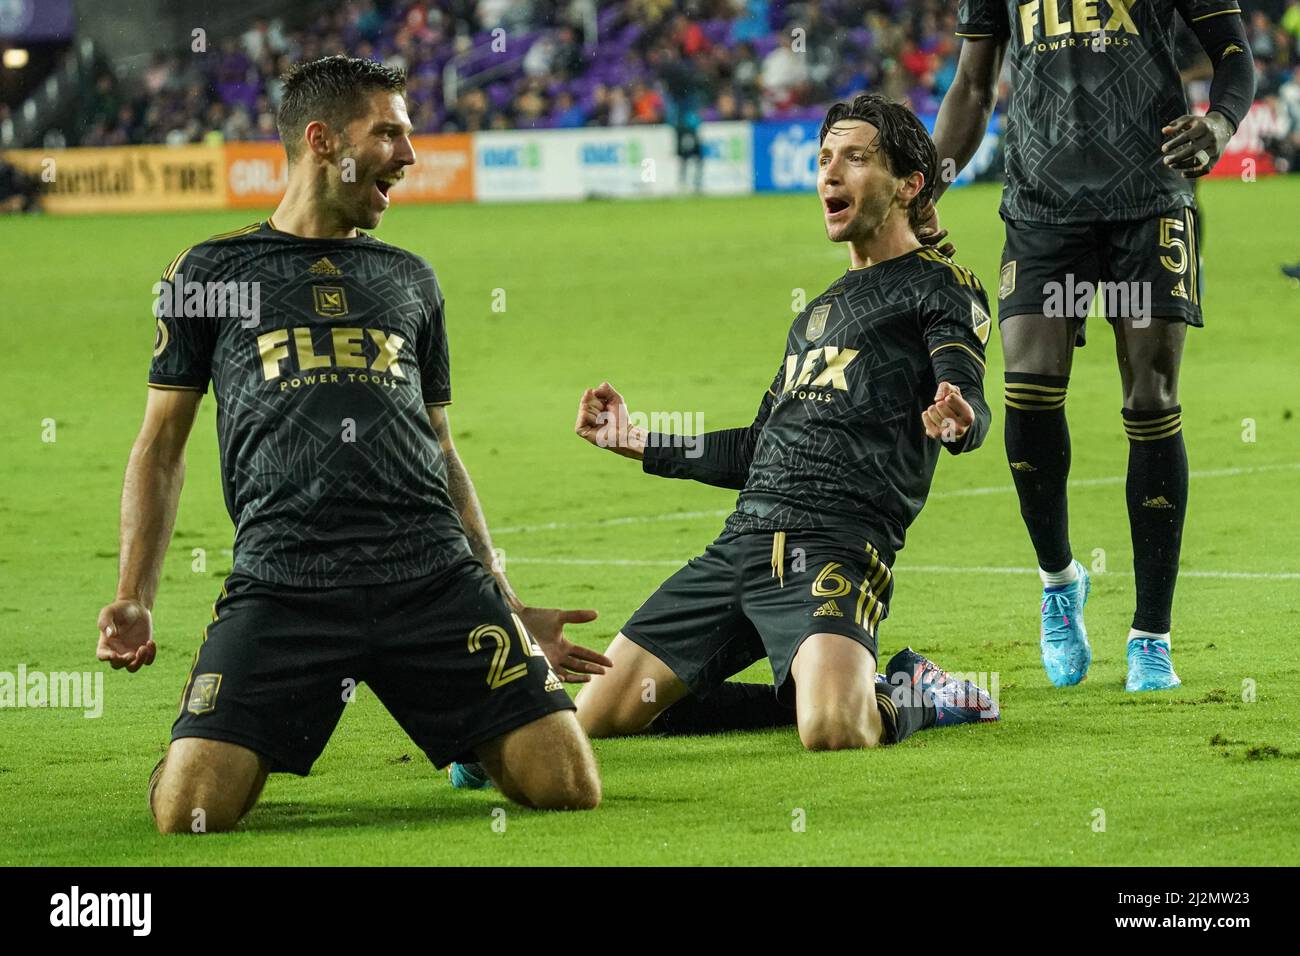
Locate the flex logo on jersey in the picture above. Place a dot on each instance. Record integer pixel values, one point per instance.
(821, 368)
(1043, 20)
(345, 351)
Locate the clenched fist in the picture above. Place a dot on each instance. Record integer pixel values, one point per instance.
(950, 415)
(602, 420)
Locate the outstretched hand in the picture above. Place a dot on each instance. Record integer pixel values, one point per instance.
(572, 662)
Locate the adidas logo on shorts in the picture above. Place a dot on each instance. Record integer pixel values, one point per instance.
(829, 609)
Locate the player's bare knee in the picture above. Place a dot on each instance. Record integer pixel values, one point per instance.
(567, 785)
(831, 731)
(578, 791)
(204, 786)
(184, 810)
(1151, 392)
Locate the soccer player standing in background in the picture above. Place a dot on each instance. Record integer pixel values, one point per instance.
(361, 553)
(1100, 149)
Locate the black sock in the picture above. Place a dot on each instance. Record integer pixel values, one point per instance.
(902, 712)
(1038, 450)
(732, 706)
(1157, 502)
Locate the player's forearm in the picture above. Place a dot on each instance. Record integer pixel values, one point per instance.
(151, 492)
(720, 458)
(979, 428)
(1232, 89)
(958, 368)
(961, 124)
(465, 500)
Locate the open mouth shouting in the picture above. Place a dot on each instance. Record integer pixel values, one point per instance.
(383, 184)
(837, 208)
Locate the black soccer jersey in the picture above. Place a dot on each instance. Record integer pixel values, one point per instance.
(323, 354)
(1092, 84)
(838, 441)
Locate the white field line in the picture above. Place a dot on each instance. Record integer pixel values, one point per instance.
(903, 568)
(957, 493)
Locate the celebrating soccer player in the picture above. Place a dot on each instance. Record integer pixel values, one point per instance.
(1100, 149)
(877, 374)
(361, 553)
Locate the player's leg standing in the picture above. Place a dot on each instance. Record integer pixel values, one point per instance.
(1160, 256)
(1039, 327)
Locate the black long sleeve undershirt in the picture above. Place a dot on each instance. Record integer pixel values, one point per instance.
(958, 367)
(724, 456)
(1232, 91)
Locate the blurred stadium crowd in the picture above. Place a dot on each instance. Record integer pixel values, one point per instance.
(569, 63)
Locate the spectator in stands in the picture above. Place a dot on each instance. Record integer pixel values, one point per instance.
(752, 24)
(785, 74)
(1290, 24)
(1263, 44)
(568, 113)
(470, 113)
(1284, 143)
(620, 108)
(19, 192)
(568, 61)
(529, 107)
(491, 12)
(901, 48)
(540, 56)
(647, 104)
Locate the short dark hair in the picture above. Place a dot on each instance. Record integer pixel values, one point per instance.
(331, 89)
(902, 138)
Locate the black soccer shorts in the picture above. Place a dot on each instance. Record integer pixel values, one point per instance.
(1151, 266)
(760, 594)
(443, 654)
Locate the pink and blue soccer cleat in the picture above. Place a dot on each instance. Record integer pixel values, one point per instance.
(1149, 666)
(1063, 639)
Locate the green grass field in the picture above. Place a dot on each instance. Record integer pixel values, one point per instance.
(683, 305)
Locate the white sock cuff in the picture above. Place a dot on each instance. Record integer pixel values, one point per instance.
(1067, 575)
(1135, 635)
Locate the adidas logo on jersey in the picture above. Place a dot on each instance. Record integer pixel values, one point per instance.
(323, 267)
(829, 609)
(1159, 501)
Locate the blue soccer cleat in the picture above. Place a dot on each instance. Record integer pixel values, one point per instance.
(955, 701)
(1149, 666)
(1063, 639)
(468, 776)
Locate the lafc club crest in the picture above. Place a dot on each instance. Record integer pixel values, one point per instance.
(1007, 285)
(817, 322)
(330, 300)
(203, 694)
(980, 322)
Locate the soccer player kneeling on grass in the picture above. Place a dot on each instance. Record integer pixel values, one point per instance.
(361, 553)
(878, 373)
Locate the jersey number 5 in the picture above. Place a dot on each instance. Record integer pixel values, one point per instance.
(1168, 240)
